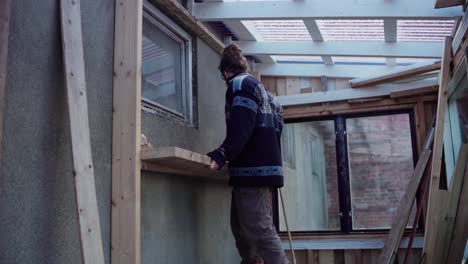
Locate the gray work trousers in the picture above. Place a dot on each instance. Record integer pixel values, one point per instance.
(252, 225)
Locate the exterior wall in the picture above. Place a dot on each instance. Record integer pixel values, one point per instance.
(38, 218)
(185, 220)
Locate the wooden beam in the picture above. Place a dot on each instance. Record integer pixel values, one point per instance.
(316, 9)
(395, 75)
(343, 48)
(460, 230)
(461, 33)
(5, 7)
(390, 30)
(408, 93)
(449, 209)
(317, 70)
(333, 108)
(402, 215)
(347, 94)
(126, 133)
(448, 3)
(181, 16)
(434, 192)
(83, 170)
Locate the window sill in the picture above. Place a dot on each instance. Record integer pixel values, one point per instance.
(347, 242)
(177, 161)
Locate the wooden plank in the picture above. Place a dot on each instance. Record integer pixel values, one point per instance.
(125, 240)
(353, 256)
(461, 33)
(83, 170)
(312, 257)
(347, 94)
(460, 230)
(407, 93)
(370, 257)
(343, 107)
(281, 86)
(449, 210)
(292, 86)
(5, 7)
(174, 160)
(182, 16)
(448, 3)
(326, 257)
(404, 210)
(395, 75)
(434, 192)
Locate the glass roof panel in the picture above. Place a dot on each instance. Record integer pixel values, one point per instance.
(424, 30)
(278, 30)
(351, 30)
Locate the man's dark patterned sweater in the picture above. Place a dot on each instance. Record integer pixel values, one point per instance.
(252, 147)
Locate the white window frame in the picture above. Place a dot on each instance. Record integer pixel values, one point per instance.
(166, 25)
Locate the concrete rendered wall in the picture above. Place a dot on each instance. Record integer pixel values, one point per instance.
(38, 220)
(186, 220)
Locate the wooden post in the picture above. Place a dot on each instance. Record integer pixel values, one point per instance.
(5, 6)
(125, 245)
(435, 194)
(85, 190)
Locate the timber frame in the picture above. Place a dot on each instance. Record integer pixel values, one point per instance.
(126, 132)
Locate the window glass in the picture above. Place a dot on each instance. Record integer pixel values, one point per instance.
(381, 165)
(311, 182)
(162, 68)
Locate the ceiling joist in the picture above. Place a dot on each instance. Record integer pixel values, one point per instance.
(344, 48)
(317, 70)
(319, 9)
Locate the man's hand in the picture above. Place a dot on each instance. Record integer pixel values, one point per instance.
(214, 165)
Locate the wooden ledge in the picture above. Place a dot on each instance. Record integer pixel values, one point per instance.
(174, 160)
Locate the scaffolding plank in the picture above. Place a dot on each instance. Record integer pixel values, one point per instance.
(174, 160)
(126, 133)
(85, 189)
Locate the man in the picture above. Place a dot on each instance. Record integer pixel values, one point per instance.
(253, 152)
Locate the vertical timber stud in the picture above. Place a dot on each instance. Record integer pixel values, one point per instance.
(5, 6)
(125, 244)
(435, 194)
(85, 189)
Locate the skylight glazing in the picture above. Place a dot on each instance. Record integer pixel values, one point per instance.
(424, 30)
(351, 30)
(359, 60)
(278, 30)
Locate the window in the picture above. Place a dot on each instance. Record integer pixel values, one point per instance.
(456, 117)
(166, 67)
(351, 172)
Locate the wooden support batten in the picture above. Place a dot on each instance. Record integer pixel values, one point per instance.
(125, 240)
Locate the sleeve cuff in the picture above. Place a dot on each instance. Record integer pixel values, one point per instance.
(218, 156)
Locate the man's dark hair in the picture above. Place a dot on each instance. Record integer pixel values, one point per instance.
(233, 60)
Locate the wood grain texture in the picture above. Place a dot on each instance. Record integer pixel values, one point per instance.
(173, 160)
(83, 170)
(436, 196)
(126, 133)
(5, 7)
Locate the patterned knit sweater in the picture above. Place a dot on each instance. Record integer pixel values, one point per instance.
(252, 147)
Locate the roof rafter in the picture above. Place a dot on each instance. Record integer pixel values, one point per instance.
(317, 70)
(344, 48)
(319, 9)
